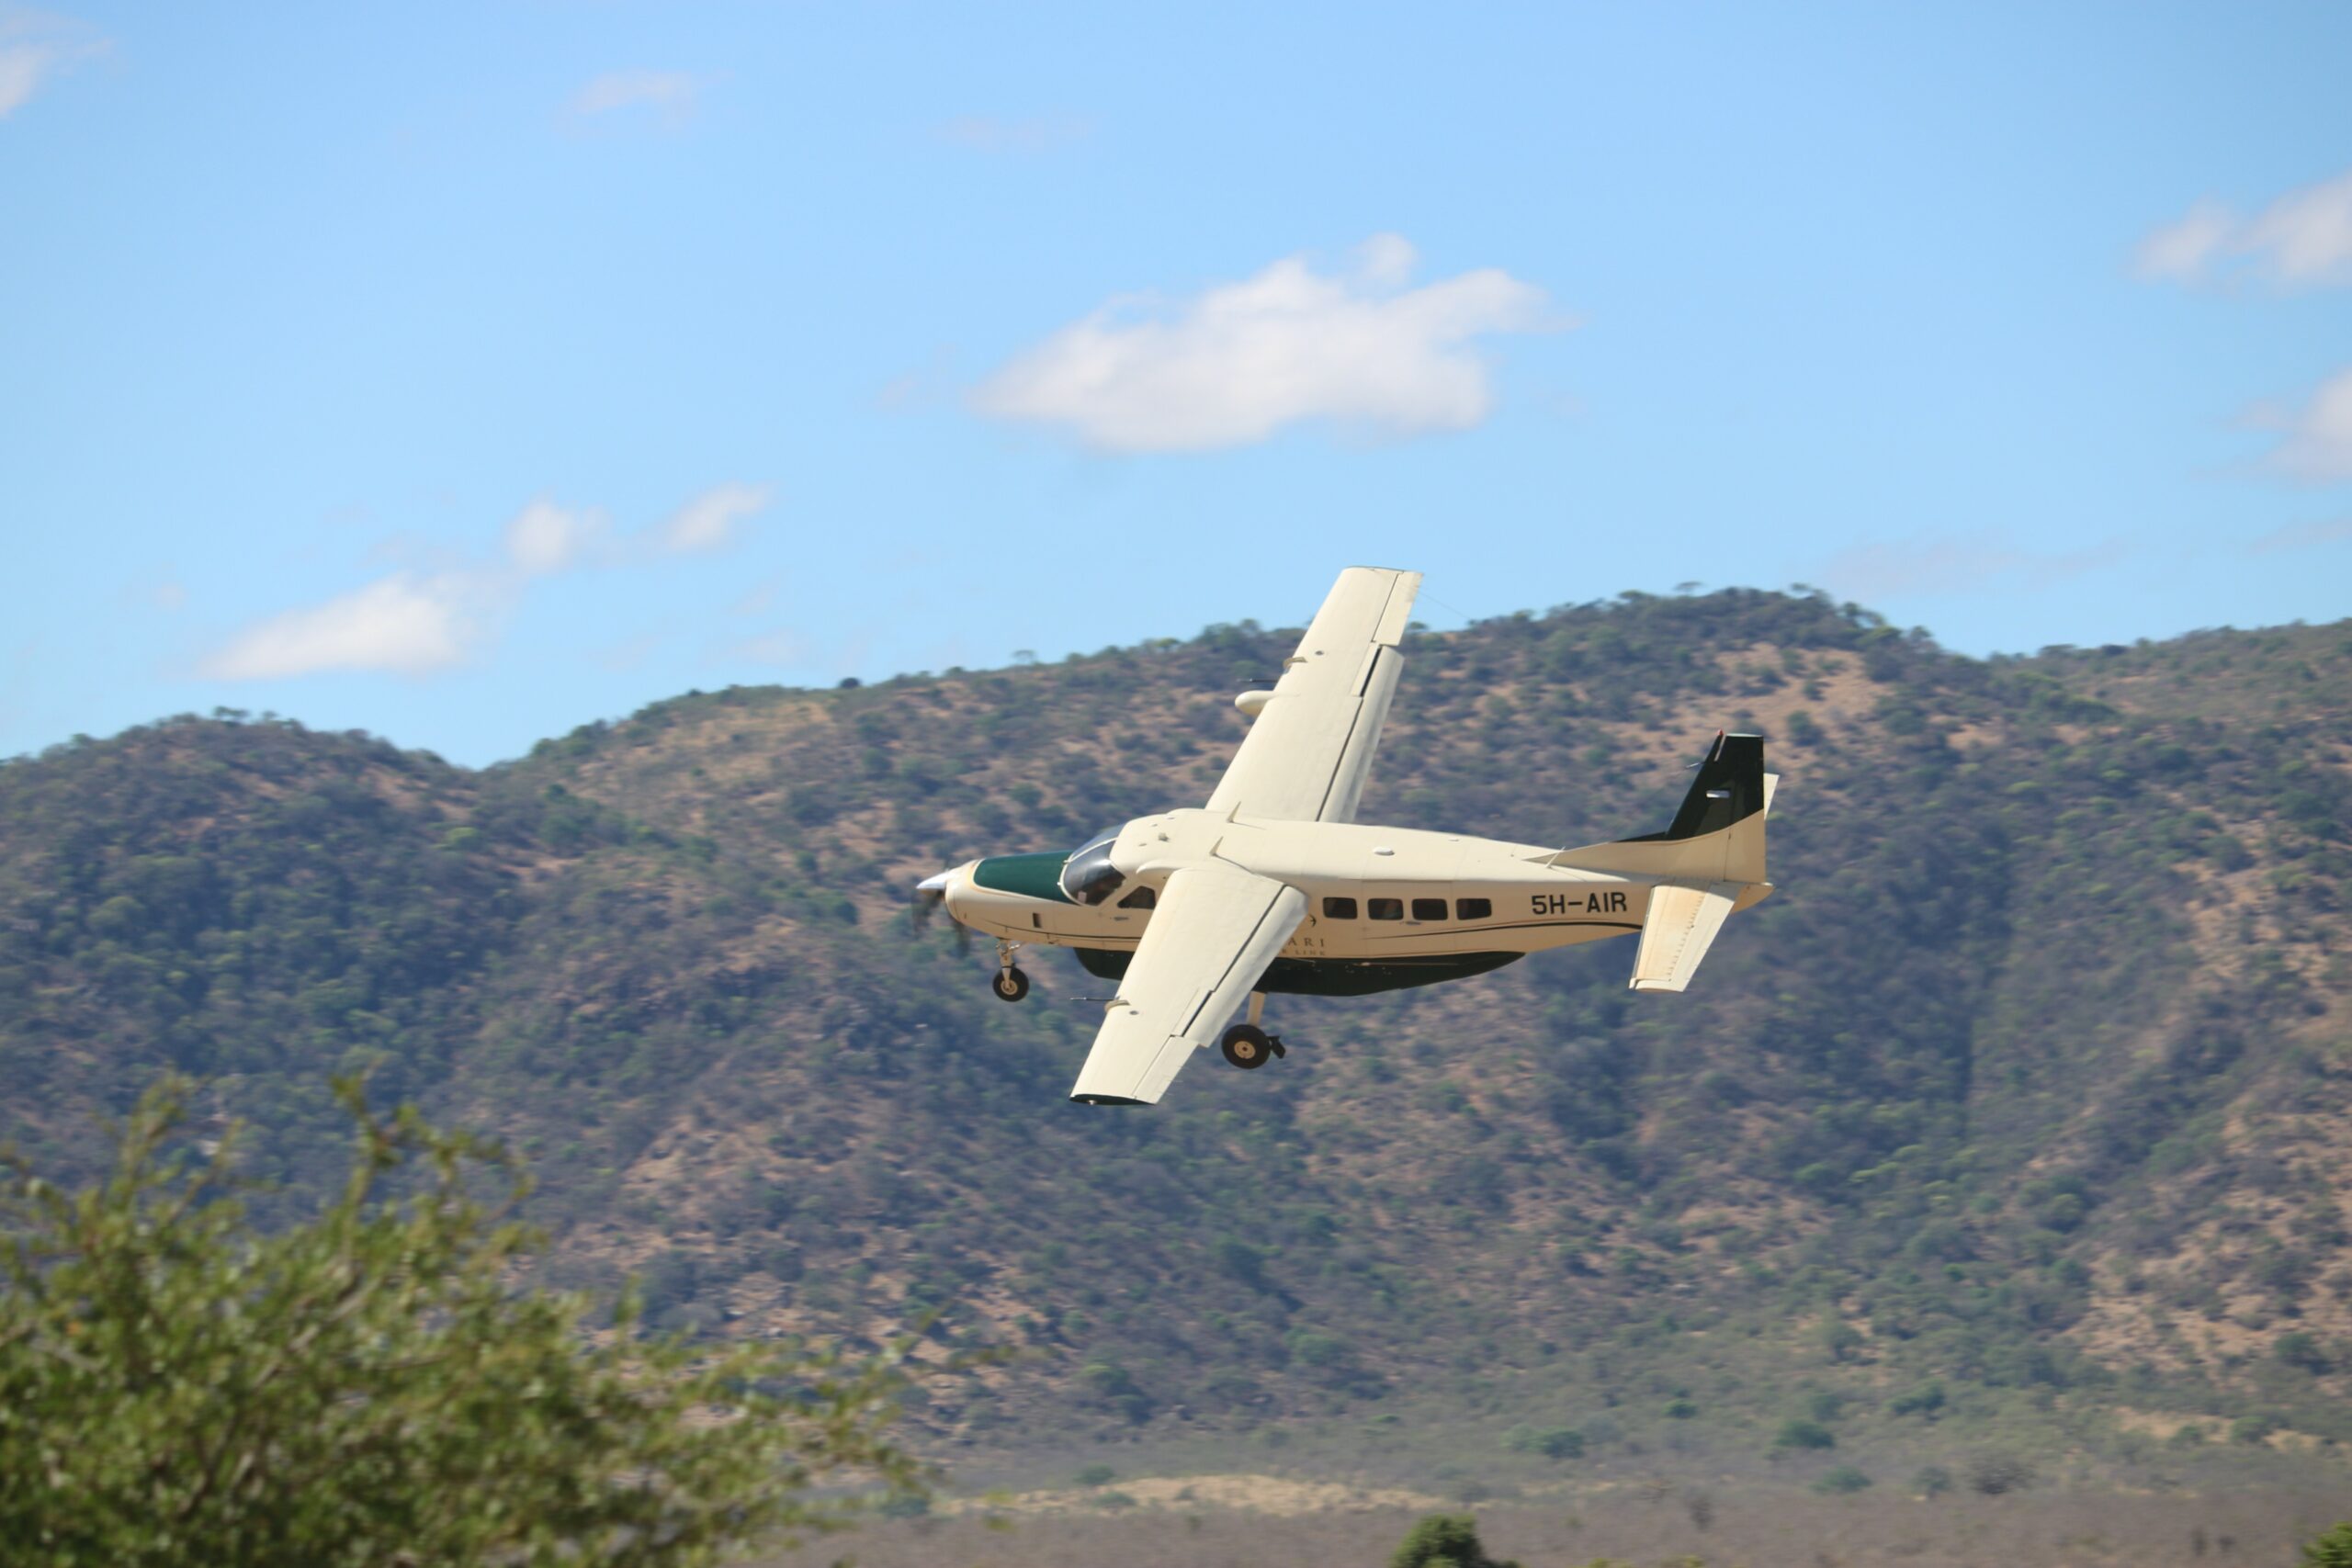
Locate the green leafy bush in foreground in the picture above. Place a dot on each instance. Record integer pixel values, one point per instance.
(365, 1387)
(2332, 1550)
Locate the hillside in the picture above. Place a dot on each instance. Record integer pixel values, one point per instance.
(2026, 1097)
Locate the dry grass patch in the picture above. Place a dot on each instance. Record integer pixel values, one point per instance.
(1886, 1527)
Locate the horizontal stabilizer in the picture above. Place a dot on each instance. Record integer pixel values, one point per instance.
(1683, 919)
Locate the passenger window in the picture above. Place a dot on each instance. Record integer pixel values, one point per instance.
(1338, 908)
(1429, 908)
(1473, 909)
(1386, 908)
(1141, 898)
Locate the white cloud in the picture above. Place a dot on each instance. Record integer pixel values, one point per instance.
(157, 588)
(22, 66)
(405, 624)
(2317, 440)
(630, 652)
(2307, 234)
(2304, 237)
(707, 522)
(758, 599)
(672, 92)
(543, 537)
(1956, 563)
(1240, 361)
(2303, 536)
(416, 622)
(2182, 250)
(34, 47)
(783, 648)
(986, 133)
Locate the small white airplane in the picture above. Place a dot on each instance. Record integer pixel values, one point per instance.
(1273, 887)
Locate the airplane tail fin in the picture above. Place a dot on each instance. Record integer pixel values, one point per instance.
(1727, 803)
(1708, 862)
(1717, 834)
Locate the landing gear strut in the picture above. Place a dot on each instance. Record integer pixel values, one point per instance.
(1010, 985)
(1248, 1046)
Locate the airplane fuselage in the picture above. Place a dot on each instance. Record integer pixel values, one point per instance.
(1386, 907)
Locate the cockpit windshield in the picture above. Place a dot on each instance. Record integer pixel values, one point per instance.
(1088, 876)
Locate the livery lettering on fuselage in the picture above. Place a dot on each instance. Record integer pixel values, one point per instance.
(1605, 903)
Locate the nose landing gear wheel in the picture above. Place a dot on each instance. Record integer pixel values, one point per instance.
(1009, 984)
(1245, 1045)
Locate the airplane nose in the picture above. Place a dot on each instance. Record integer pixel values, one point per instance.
(934, 890)
(941, 887)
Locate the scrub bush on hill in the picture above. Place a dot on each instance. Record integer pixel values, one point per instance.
(1552, 1442)
(1444, 1540)
(1800, 1434)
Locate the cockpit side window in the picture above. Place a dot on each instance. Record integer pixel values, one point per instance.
(1141, 898)
(1088, 876)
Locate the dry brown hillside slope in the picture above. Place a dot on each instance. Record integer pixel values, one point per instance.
(2028, 1092)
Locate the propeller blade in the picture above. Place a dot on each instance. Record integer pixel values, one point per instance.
(930, 893)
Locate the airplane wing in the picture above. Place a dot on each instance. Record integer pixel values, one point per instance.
(1215, 929)
(1309, 751)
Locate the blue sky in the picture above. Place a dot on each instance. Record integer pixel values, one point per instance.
(466, 373)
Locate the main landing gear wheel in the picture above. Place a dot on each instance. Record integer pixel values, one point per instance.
(1009, 984)
(1245, 1045)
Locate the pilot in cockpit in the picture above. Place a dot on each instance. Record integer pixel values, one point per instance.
(1088, 876)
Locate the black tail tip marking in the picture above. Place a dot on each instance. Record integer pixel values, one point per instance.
(1729, 788)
